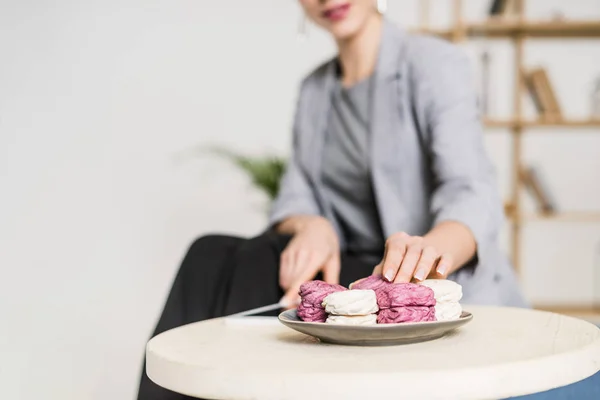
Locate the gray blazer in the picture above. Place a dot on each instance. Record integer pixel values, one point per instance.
(428, 162)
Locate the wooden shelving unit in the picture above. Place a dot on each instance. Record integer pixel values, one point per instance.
(573, 216)
(508, 28)
(517, 29)
(491, 123)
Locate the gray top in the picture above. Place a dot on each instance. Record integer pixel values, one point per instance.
(346, 174)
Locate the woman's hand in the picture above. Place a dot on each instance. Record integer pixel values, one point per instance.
(411, 257)
(313, 248)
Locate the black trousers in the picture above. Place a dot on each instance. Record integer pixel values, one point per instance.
(222, 275)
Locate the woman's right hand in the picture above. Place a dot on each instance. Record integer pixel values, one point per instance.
(314, 248)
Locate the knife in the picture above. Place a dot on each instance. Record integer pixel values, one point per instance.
(283, 303)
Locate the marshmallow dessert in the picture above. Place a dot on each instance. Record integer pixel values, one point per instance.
(444, 290)
(405, 295)
(399, 302)
(311, 298)
(351, 303)
(355, 320)
(406, 314)
(375, 300)
(447, 295)
(375, 312)
(373, 282)
(447, 311)
(351, 307)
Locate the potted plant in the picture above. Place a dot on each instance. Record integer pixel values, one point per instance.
(265, 171)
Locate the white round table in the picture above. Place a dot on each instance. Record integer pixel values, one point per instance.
(503, 352)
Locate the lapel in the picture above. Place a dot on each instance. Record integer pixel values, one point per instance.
(383, 106)
(384, 118)
(319, 106)
(386, 124)
(388, 80)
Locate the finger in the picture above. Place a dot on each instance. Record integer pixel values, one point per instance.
(309, 270)
(394, 253)
(288, 264)
(292, 295)
(426, 263)
(301, 259)
(305, 275)
(409, 263)
(377, 270)
(331, 270)
(355, 282)
(285, 269)
(291, 300)
(444, 265)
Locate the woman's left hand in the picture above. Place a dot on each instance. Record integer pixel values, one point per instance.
(410, 257)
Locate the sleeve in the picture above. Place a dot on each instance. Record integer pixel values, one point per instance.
(296, 196)
(465, 184)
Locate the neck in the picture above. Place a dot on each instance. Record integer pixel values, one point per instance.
(358, 54)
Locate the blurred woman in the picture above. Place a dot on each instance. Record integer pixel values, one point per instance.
(388, 175)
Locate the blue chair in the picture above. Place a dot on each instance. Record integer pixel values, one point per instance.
(587, 389)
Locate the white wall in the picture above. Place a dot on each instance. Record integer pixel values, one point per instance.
(99, 100)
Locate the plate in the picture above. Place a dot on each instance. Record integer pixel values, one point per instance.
(373, 335)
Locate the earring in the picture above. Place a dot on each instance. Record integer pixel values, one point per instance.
(382, 6)
(303, 29)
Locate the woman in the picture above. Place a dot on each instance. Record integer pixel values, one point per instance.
(388, 175)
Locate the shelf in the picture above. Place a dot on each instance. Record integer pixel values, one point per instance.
(553, 29)
(442, 33)
(579, 216)
(508, 28)
(492, 123)
(573, 216)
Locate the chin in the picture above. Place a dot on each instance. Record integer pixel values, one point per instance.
(345, 30)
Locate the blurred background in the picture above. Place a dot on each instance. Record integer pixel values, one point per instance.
(103, 104)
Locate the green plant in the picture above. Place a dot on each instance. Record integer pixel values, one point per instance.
(265, 171)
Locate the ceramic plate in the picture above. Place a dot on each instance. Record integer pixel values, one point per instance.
(374, 335)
